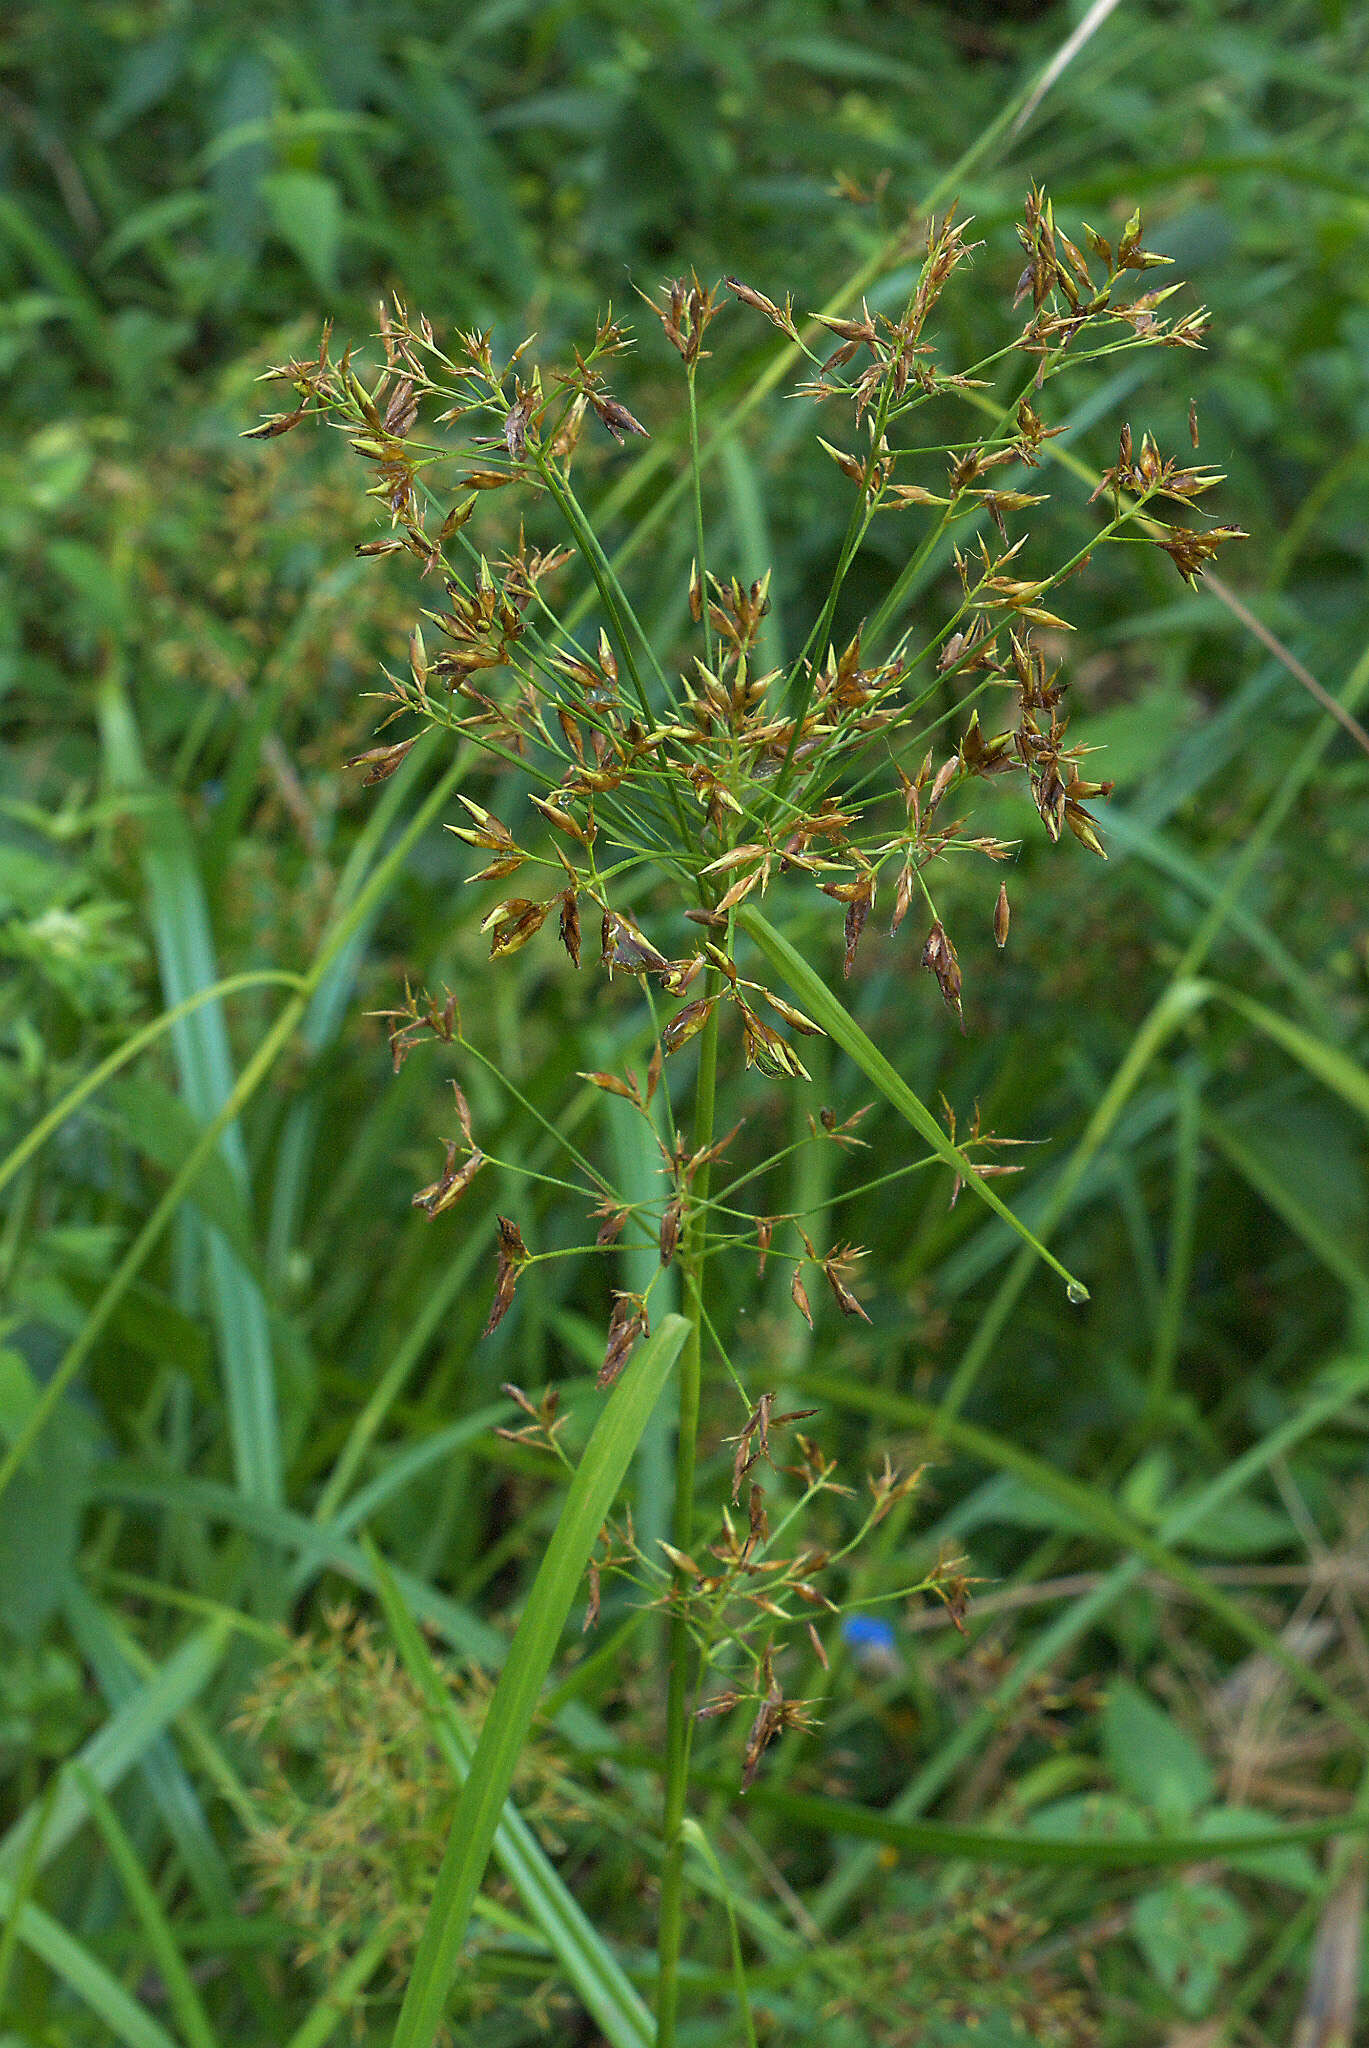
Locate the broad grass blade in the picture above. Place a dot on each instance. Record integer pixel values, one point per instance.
(181, 1994)
(124, 1741)
(185, 956)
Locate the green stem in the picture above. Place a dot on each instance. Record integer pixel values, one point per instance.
(612, 595)
(615, 601)
(644, 471)
(1182, 1240)
(799, 684)
(679, 1726)
(696, 472)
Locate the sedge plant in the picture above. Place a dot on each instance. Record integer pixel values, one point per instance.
(657, 802)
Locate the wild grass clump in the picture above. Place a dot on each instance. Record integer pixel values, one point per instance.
(351, 1805)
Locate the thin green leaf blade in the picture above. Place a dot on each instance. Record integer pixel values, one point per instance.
(173, 1792)
(88, 1979)
(836, 1020)
(181, 1994)
(589, 1964)
(124, 1740)
(179, 915)
(588, 1501)
(341, 1999)
(1325, 1062)
(1326, 1236)
(1004, 1848)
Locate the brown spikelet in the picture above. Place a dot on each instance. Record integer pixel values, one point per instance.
(512, 924)
(451, 1184)
(939, 955)
(781, 317)
(516, 422)
(463, 1111)
(903, 896)
(570, 924)
(1191, 552)
(859, 898)
(279, 423)
(380, 763)
(763, 1731)
(834, 1270)
(513, 1256)
(624, 946)
(686, 1023)
(630, 1089)
(1002, 915)
(614, 1221)
(616, 417)
(627, 1323)
(946, 775)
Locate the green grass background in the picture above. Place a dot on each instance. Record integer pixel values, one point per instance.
(229, 1349)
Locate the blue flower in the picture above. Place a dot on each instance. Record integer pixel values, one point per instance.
(873, 1644)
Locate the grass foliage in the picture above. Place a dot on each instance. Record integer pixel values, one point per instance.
(285, 1569)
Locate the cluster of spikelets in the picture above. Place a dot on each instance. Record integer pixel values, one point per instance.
(350, 1804)
(679, 795)
(972, 1964)
(351, 1812)
(679, 787)
(724, 778)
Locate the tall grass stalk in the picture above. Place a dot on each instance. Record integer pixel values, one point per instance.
(679, 1677)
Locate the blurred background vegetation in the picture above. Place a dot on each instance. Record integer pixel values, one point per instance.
(186, 638)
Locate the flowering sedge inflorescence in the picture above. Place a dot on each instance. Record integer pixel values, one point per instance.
(673, 785)
(727, 776)
(756, 1592)
(715, 781)
(349, 1815)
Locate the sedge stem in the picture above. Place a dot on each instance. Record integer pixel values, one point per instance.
(696, 472)
(679, 1725)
